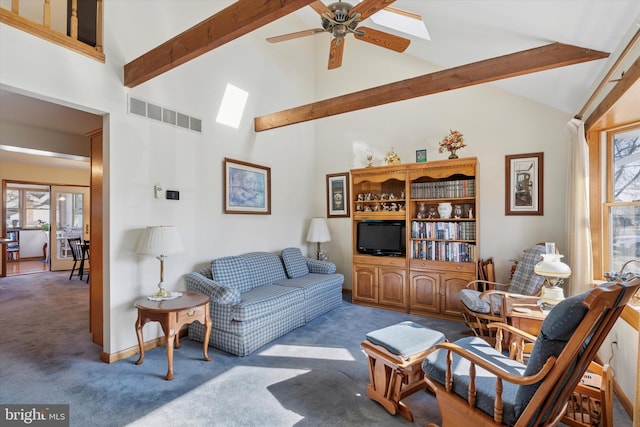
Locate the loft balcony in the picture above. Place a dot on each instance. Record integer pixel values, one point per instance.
(73, 24)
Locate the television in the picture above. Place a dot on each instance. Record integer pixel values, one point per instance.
(384, 238)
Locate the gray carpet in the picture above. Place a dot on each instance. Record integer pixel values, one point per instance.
(315, 375)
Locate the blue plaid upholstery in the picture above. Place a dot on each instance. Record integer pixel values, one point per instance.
(294, 262)
(253, 302)
(435, 366)
(322, 292)
(232, 271)
(264, 268)
(321, 267)
(524, 282)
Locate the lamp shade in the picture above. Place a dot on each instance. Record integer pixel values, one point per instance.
(160, 240)
(318, 231)
(551, 266)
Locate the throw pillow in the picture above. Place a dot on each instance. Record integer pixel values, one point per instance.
(294, 262)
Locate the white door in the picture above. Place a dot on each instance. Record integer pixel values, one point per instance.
(69, 218)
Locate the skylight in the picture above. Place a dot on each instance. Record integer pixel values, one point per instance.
(402, 20)
(232, 106)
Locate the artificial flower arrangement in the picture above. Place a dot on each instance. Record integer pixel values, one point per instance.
(452, 142)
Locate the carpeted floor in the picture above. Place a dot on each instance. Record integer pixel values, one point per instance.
(315, 375)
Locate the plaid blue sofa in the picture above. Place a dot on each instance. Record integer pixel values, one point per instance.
(259, 296)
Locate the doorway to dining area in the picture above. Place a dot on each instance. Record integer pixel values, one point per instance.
(40, 219)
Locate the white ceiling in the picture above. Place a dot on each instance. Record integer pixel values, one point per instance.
(466, 31)
(462, 31)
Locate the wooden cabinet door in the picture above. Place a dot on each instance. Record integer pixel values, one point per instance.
(451, 286)
(392, 289)
(423, 291)
(365, 283)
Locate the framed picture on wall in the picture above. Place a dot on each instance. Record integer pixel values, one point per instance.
(338, 200)
(421, 156)
(523, 184)
(247, 188)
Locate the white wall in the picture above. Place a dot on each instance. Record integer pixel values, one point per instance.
(140, 153)
(494, 122)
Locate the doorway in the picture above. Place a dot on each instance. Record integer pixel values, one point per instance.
(70, 219)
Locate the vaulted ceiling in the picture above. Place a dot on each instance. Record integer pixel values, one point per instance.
(462, 32)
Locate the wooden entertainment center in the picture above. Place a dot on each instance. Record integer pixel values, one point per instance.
(440, 254)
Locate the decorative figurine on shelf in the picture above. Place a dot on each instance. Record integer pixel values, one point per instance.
(392, 158)
(370, 160)
(452, 143)
(470, 213)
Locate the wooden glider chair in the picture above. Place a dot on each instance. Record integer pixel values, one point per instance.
(484, 301)
(477, 384)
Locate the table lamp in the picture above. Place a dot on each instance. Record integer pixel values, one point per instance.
(160, 241)
(554, 271)
(318, 233)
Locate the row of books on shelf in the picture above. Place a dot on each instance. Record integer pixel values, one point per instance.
(443, 251)
(443, 230)
(443, 189)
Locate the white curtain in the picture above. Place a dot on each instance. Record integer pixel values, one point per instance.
(578, 254)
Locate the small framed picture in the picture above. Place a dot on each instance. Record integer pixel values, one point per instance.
(421, 156)
(524, 184)
(247, 188)
(338, 200)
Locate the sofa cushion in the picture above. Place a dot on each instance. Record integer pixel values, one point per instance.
(263, 268)
(232, 271)
(266, 299)
(294, 262)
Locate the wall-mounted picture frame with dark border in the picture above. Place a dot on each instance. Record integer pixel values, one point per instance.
(247, 188)
(338, 200)
(524, 184)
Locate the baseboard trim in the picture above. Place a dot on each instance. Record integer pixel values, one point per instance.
(132, 351)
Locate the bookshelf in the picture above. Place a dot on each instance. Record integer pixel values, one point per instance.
(441, 250)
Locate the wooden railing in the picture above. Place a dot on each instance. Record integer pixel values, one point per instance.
(69, 39)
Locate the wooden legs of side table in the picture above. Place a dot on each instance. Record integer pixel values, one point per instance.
(171, 328)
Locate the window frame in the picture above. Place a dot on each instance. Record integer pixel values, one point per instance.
(23, 189)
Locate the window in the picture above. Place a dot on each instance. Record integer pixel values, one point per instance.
(621, 209)
(27, 206)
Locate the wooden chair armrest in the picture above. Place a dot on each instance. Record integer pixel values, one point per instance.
(513, 330)
(487, 285)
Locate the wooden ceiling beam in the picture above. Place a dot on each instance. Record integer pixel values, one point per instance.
(542, 58)
(236, 20)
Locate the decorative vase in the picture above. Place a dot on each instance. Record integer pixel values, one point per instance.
(444, 210)
(453, 154)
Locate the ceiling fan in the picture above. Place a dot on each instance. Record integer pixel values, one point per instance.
(340, 19)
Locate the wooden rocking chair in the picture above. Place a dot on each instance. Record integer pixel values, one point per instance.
(477, 384)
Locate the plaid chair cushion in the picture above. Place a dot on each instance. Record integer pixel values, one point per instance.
(471, 298)
(294, 262)
(525, 281)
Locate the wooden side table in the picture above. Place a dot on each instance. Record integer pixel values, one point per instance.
(173, 314)
(525, 315)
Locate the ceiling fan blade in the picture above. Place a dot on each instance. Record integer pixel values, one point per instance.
(369, 7)
(321, 8)
(382, 39)
(403, 13)
(335, 53)
(295, 35)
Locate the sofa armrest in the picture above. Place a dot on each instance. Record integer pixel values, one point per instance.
(320, 267)
(218, 292)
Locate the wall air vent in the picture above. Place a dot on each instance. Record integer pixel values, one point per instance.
(143, 108)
